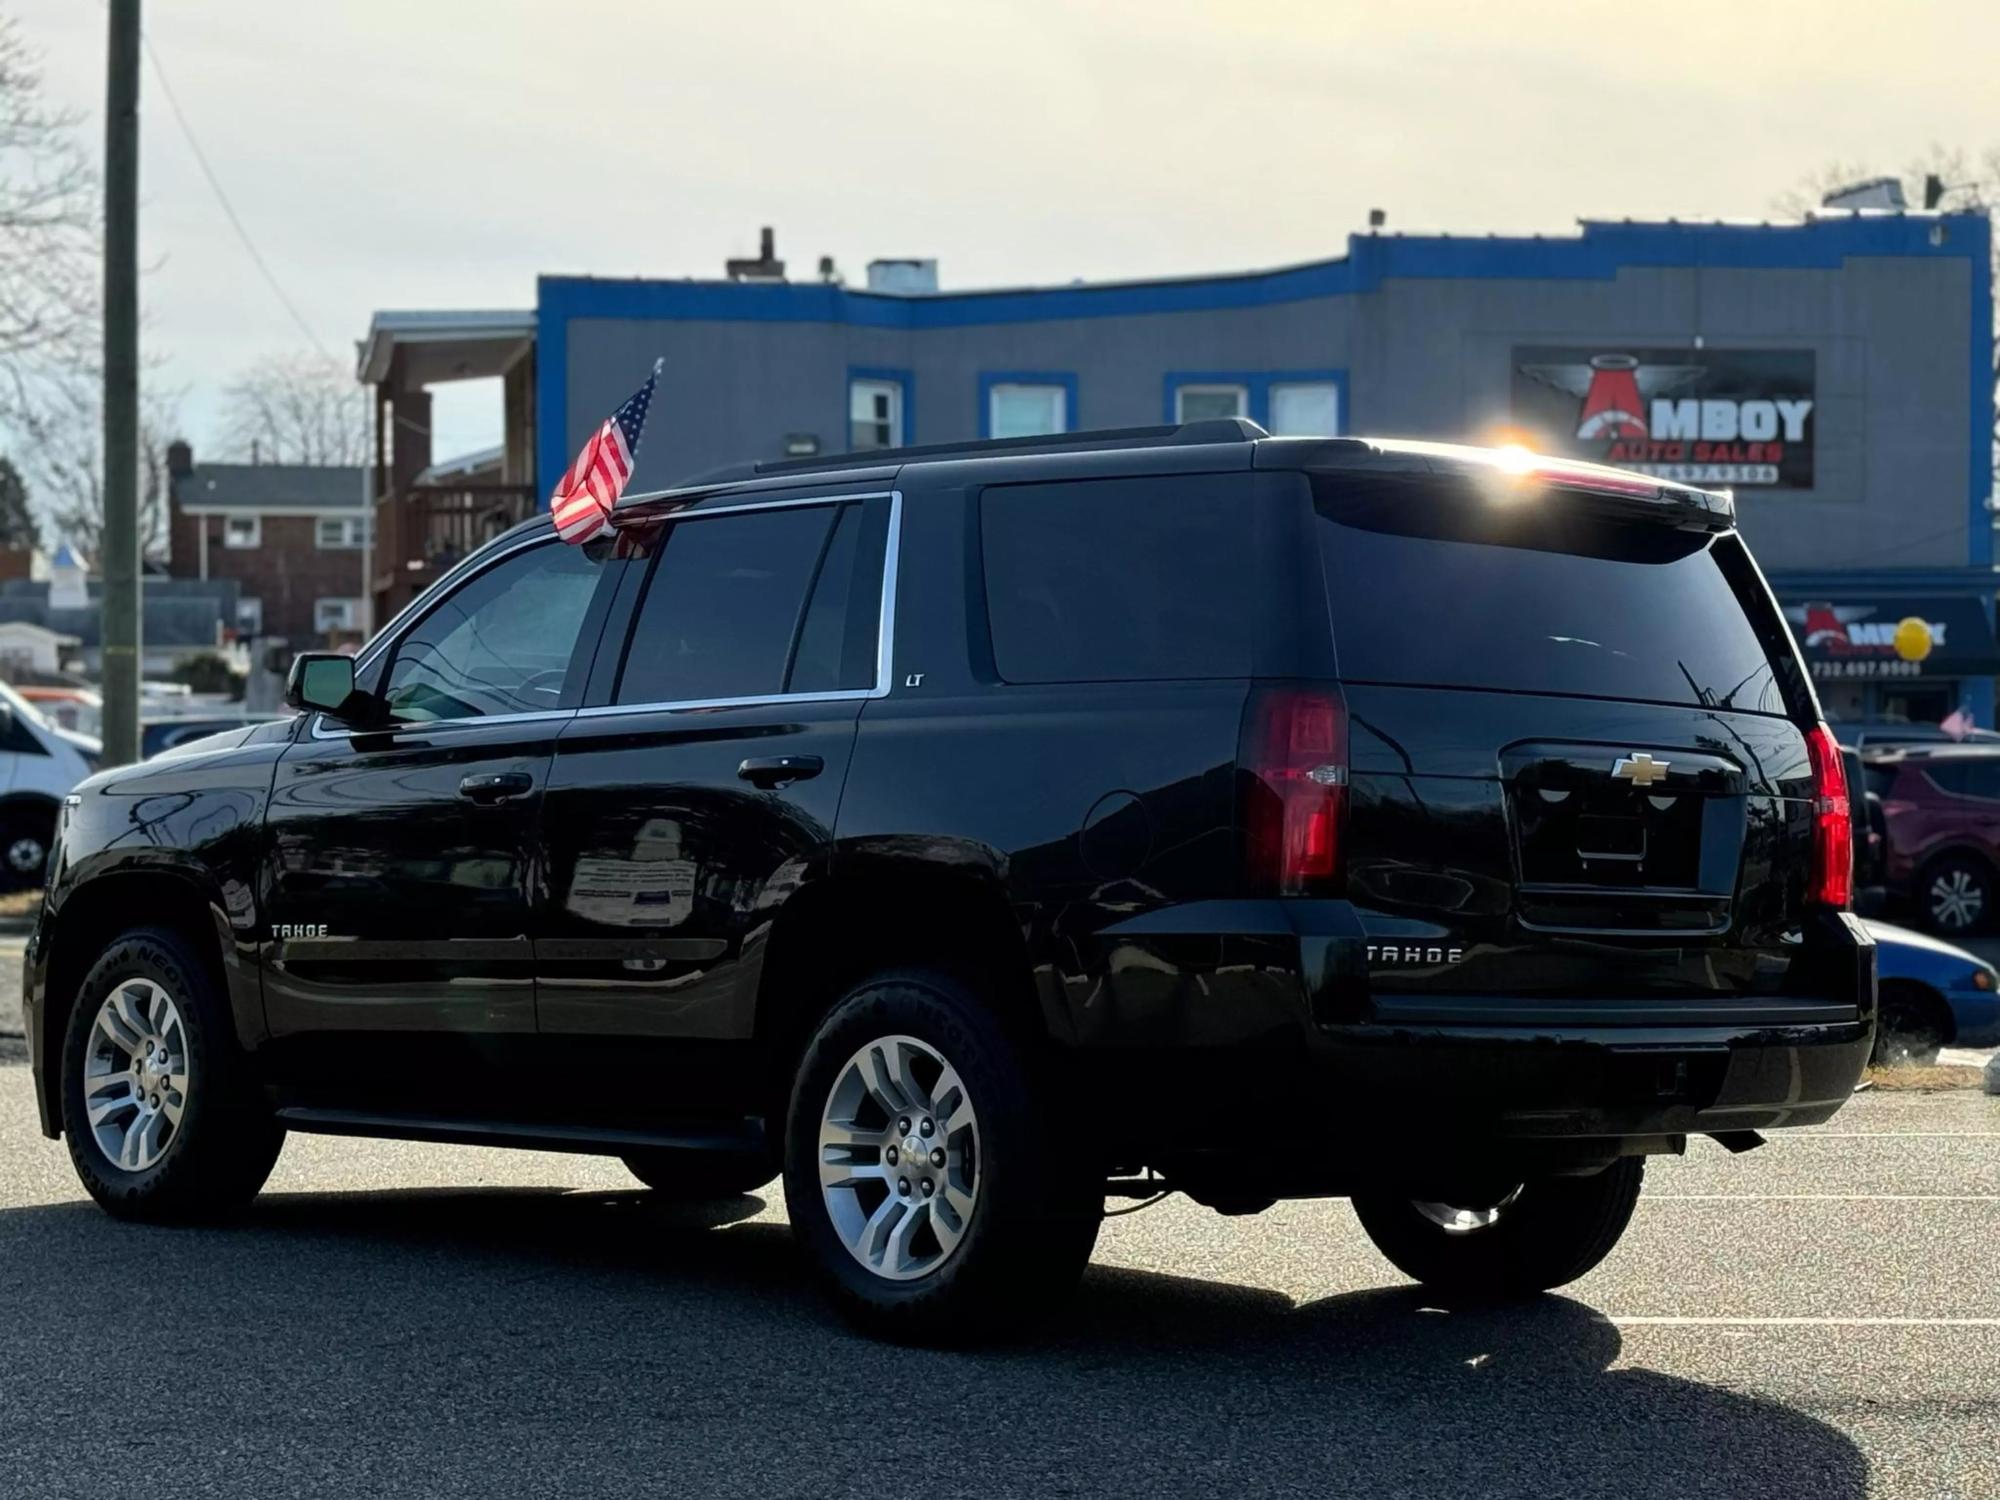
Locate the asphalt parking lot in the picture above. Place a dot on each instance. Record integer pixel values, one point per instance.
(1819, 1318)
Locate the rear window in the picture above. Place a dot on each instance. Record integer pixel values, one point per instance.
(1431, 586)
(1112, 580)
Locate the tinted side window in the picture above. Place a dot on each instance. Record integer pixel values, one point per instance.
(1118, 579)
(723, 606)
(1967, 778)
(837, 639)
(1947, 778)
(500, 644)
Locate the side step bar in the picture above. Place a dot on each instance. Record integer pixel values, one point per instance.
(718, 1135)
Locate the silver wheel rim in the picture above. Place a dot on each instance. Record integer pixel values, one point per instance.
(27, 855)
(899, 1158)
(136, 1075)
(1956, 899)
(1455, 1220)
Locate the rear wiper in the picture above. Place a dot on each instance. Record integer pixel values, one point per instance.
(1729, 698)
(1704, 696)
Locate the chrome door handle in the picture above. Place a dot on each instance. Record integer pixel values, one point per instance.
(770, 771)
(486, 787)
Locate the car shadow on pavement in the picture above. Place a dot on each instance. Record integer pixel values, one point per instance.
(528, 1341)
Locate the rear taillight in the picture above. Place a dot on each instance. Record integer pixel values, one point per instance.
(1292, 773)
(1833, 829)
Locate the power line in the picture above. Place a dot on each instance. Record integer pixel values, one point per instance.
(242, 231)
(229, 209)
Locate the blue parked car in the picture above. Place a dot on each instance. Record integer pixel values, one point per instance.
(1933, 995)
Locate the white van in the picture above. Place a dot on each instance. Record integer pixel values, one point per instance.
(39, 762)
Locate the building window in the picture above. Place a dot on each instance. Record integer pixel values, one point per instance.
(336, 614)
(249, 617)
(875, 414)
(1305, 408)
(242, 531)
(1205, 403)
(1023, 409)
(341, 532)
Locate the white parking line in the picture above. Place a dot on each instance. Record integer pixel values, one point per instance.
(1885, 1135)
(1819, 1198)
(1669, 1322)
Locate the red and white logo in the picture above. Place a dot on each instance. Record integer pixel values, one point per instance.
(1706, 423)
(1852, 630)
(1612, 405)
(1617, 392)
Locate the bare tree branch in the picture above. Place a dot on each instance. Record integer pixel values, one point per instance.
(296, 409)
(48, 216)
(61, 428)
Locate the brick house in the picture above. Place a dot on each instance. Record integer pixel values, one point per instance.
(295, 536)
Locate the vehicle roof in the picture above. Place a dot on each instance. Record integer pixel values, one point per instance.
(1230, 443)
(1217, 444)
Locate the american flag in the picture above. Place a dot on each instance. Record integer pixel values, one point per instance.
(583, 499)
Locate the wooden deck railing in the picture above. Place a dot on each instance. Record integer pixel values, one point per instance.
(426, 528)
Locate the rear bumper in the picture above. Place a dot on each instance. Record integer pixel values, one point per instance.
(1548, 1081)
(1286, 1023)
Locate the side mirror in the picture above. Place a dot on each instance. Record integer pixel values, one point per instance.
(322, 680)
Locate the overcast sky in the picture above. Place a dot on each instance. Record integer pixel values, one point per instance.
(441, 153)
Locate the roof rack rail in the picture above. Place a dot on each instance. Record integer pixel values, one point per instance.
(1213, 430)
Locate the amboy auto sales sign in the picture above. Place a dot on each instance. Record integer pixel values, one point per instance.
(1703, 416)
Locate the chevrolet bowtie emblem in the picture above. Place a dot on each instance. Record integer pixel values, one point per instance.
(1641, 769)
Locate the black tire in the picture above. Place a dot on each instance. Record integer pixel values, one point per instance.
(1557, 1229)
(1909, 1026)
(1956, 894)
(26, 836)
(700, 1176)
(1037, 1208)
(225, 1143)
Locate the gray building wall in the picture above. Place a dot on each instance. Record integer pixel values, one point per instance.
(1895, 339)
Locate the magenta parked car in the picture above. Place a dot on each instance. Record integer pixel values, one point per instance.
(1941, 806)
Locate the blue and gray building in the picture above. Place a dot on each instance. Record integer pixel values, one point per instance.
(1837, 374)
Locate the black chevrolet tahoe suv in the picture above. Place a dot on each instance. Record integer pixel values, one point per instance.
(974, 834)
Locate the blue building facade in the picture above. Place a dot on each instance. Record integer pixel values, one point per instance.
(1837, 374)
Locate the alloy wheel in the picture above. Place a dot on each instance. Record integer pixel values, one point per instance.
(1957, 899)
(1455, 1220)
(136, 1075)
(27, 855)
(899, 1158)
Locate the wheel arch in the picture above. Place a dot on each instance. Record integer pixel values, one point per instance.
(40, 801)
(874, 913)
(38, 804)
(96, 911)
(1928, 997)
(1959, 848)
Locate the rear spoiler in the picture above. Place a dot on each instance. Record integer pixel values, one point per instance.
(1509, 472)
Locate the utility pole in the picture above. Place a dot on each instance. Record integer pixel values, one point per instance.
(121, 389)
